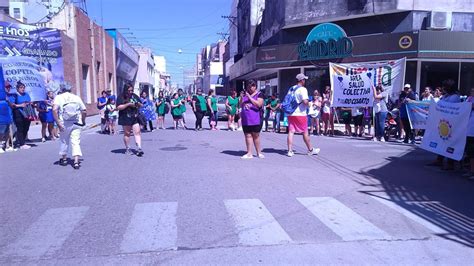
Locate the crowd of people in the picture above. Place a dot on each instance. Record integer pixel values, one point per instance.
(250, 111)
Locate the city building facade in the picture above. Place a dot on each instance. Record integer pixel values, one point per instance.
(88, 55)
(145, 80)
(210, 68)
(435, 38)
(126, 59)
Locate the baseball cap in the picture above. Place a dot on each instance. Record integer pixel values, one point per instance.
(407, 86)
(301, 76)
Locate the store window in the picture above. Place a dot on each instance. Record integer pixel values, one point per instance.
(467, 78)
(434, 73)
(85, 95)
(318, 79)
(16, 13)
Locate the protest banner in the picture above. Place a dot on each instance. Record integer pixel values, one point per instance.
(26, 70)
(3, 93)
(42, 44)
(418, 114)
(446, 129)
(352, 83)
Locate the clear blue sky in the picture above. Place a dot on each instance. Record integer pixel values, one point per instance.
(166, 26)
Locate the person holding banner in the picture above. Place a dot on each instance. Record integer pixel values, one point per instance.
(450, 95)
(22, 101)
(380, 110)
(328, 112)
(406, 96)
(470, 139)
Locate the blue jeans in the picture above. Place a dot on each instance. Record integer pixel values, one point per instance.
(380, 124)
(266, 117)
(276, 121)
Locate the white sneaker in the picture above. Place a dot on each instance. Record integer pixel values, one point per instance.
(261, 156)
(314, 151)
(375, 139)
(290, 154)
(247, 157)
(11, 149)
(239, 129)
(1, 151)
(382, 139)
(25, 147)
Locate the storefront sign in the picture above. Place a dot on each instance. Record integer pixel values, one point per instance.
(446, 129)
(405, 42)
(41, 44)
(325, 41)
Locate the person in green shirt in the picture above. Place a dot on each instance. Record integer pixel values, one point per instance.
(212, 106)
(184, 99)
(176, 104)
(199, 108)
(231, 105)
(275, 107)
(161, 106)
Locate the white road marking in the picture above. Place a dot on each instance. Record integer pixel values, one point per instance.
(342, 220)
(152, 228)
(48, 233)
(255, 224)
(432, 227)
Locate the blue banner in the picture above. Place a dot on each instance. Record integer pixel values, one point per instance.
(418, 114)
(43, 45)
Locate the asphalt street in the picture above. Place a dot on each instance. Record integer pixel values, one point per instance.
(192, 200)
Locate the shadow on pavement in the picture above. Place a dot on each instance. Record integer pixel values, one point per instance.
(234, 153)
(118, 151)
(276, 151)
(442, 198)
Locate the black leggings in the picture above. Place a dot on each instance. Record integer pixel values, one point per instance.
(408, 131)
(199, 117)
(151, 126)
(23, 126)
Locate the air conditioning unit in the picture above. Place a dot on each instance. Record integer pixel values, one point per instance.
(440, 20)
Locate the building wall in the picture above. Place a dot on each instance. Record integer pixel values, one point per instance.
(85, 44)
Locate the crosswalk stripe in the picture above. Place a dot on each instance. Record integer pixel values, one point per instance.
(434, 228)
(152, 228)
(342, 220)
(255, 224)
(48, 233)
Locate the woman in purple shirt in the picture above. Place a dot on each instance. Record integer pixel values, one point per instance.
(251, 115)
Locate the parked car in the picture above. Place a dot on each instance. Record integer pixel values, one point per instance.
(221, 110)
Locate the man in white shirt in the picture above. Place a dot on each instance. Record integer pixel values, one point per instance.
(70, 115)
(298, 120)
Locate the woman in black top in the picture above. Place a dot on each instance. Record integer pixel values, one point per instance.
(128, 105)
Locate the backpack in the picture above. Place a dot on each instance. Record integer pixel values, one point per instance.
(71, 111)
(290, 104)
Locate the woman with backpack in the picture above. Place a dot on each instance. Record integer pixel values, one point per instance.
(161, 110)
(20, 115)
(251, 115)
